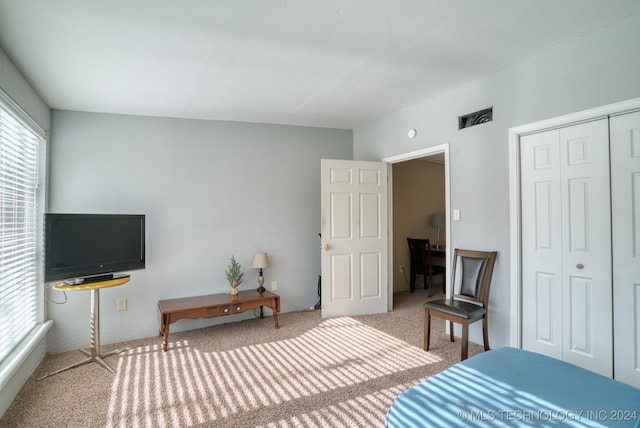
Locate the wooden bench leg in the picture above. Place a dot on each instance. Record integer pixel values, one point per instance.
(164, 332)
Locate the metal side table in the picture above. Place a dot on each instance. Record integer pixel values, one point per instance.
(94, 348)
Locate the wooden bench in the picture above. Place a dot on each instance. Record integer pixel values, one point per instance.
(215, 305)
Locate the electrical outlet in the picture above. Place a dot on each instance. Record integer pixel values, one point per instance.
(401, 269)
(122, 304)
(274, 285)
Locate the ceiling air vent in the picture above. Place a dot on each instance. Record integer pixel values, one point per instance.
(472, 119)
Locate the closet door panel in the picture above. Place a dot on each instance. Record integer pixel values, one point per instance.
(586, 243)
(625, 179)
(541, 243)
(580, 316)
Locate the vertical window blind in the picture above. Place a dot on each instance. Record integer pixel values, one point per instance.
(19, 229)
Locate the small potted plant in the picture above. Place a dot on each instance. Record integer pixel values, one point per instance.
(234, 275)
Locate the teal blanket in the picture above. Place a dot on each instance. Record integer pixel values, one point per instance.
(511, 387)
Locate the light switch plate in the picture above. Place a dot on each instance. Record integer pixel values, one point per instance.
(456, 215)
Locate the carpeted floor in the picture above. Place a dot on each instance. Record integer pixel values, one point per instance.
(312, 372)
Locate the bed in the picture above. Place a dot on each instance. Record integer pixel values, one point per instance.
(513, 387)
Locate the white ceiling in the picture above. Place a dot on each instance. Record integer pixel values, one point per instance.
(325, 63)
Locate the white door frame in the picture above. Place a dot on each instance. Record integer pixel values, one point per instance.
(444, 149)
(515, 220)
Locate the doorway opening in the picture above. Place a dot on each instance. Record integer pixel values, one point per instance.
(419, 187)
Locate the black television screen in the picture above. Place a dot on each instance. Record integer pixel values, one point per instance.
(82, 245)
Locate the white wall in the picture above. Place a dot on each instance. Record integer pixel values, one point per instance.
(209, 190)
(595, 70)
(18, 88)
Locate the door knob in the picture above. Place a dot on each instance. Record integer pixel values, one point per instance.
(325, 247)
(580, 266)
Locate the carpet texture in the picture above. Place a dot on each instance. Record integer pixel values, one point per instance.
(312, 372)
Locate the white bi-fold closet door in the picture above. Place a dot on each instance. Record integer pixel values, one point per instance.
(580, 202)
(566, 245)
(625, 199)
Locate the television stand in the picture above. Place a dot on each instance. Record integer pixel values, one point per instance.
(94, 344)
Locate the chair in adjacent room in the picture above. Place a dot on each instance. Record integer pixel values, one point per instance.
(420, 258)
(469, 297)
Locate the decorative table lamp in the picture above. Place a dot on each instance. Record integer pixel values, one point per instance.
(437, 220)
(261, 261)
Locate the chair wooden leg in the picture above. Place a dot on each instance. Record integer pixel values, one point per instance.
(451, 330)
(485, 333)
(465, 341)
(427, 329)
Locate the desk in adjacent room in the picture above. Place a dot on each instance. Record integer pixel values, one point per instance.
(440, 252)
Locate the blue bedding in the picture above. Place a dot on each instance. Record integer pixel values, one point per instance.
(513, 387)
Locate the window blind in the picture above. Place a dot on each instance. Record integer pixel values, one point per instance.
(19, 229)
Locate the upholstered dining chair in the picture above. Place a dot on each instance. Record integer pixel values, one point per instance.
(420, 258)
(469, 297)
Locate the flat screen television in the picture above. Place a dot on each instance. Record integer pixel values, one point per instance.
(93, 245)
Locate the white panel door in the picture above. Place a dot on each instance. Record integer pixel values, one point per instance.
(354, 237)
(566, 245)
(586, 259)
(541, 243)
(625, 196)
